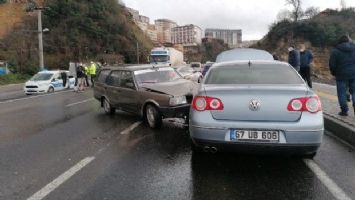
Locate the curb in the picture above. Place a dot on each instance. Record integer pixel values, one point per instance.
(10, 85)
(340, 129)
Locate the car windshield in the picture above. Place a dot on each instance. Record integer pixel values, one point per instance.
(158, 75)
(41, 77)
(256, 74)
(159, 58)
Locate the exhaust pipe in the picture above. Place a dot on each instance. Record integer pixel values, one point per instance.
(206, 149)
(213, 150)
(210, 149)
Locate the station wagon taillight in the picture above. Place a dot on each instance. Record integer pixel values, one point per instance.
(202, 103)
(305, 104)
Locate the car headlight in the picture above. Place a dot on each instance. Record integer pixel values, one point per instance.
(177, 100)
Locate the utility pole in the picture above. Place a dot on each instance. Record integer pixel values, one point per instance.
(40, 39)
(137, 53)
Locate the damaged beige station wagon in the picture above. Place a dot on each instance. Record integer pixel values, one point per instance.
(152, 92)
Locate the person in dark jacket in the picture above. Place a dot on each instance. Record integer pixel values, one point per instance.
(305, 67)
(294, 58)
(64, 78)
(342, 66)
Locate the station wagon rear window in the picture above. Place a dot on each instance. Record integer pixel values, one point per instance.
(256, 74)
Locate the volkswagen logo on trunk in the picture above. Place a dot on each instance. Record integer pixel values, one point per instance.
(254, 105)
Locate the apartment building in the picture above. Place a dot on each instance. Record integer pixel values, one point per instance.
(231, 37)
(186, 35)
(163, 28)
(143, 23)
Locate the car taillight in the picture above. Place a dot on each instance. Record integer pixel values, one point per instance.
(202, 103)
(305, 104)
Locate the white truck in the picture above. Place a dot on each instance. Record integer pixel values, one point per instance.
(166, 55)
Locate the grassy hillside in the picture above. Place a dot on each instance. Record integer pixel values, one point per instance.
(320, 33)
(80, 30)
(10, 16)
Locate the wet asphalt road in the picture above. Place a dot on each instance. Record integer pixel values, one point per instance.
(44, 137)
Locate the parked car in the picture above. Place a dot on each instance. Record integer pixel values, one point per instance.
(256, 105)
(196, 66)
(189, 73)
(48, 81)
(206, 67)
(151, 92)
(243, 54)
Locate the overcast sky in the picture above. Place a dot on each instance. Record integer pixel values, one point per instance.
(252, 16)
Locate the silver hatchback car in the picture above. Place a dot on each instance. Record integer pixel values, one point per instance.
(256, 106)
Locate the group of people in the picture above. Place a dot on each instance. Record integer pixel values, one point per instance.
(301, 60)
(83, 73)
(341, 65)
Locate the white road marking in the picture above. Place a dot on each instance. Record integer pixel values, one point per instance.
(60, 180)
(33, 97)
(50, 187)
(336, 191)
(130, 128)
(80, 102)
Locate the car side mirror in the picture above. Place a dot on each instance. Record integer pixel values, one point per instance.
(54, 80)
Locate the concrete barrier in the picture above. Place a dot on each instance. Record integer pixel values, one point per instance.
(339, 128)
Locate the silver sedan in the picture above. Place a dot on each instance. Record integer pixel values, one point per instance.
(260, 106)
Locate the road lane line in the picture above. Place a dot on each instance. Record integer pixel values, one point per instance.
(336, 191)
(80, 102)
(130, 128)
(33, 97)
(50, 187)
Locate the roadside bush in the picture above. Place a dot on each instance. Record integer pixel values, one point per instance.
(13, 78)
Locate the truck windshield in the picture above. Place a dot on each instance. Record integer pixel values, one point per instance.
(156, 76)
(158, 58)
(41, 77)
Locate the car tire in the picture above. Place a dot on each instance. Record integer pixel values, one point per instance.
(153, 116)
(50, 89)
(108, 107)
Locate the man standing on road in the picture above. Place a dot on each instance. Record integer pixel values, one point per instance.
(294, 58)
(342, 66)
(306, 60)
(64, 78)
(92, 70)
(81, 76)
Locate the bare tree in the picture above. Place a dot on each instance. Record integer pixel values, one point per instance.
(311, 12)
(297, 12)
(343, 4)
(284, 14)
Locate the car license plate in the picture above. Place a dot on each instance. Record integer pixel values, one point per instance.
(254, 136)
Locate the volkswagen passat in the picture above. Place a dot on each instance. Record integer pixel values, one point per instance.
(256, 105)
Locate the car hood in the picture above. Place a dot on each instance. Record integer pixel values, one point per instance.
(35, 82)
(175, 88)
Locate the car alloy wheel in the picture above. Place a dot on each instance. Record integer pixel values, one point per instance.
(107, 107)
(50, 90)
(153, 117)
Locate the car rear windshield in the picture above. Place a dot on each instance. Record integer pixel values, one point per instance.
(157, 75)
(255, 74)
